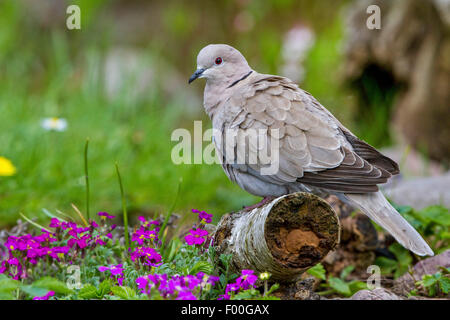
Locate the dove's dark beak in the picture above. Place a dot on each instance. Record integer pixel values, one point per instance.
(196, 74)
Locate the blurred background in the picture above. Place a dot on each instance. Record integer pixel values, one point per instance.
(121, 81)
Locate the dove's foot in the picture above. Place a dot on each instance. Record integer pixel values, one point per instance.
(264, 201)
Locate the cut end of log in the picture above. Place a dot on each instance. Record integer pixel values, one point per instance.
(300, 230)
(284, 237)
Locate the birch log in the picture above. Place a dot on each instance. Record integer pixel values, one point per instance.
(284, 237)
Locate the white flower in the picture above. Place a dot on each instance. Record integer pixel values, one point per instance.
(296, 45)
(57, 124)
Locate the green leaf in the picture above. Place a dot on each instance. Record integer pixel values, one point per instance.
(355, 286)
(52, 284)
(429, 280)
(8, 285)
(444, 284)
(88, 292)
(124, 292)
(437, 214)
(247, 294)
(401, 254)
(6, 296)
(346, 272)
(340, 286)
(274, 287)
(386, 265)
(104, 288)
(318, 271)
(34, 291)
(202, 266)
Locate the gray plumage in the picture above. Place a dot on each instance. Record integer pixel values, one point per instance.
(316, 152)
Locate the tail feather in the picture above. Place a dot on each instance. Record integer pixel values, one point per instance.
(377, 208)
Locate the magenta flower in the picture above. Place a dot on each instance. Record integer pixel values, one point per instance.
(54, 223)
(105, 215)
(140, 235)
(46, 297)
(203, 216)
(114, 269)
(94, 224)
(116, 272)
(148, 223)
(81, 242)
(247, 279)
(178, 287)
(148, 256)
(186, 295)
(196, 236)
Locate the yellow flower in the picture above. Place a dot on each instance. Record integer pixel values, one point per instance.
(6, 167)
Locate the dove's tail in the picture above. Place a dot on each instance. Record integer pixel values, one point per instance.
(377, 208)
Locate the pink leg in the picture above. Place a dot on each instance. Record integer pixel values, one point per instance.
(264, 201)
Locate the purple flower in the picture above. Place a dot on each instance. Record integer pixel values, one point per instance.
(140, 235)
(148, 256)
(186, 295)
(80, 241)
(225, 296)
(94, 224)
(148, 223)
(178, 287)
(247, 279)
(116, 272)
(105, 215)
(46, 297)
(54, 223)
(196, 236)
(114, 269)
(203, 216)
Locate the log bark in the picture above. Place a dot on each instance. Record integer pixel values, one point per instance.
(284, 237)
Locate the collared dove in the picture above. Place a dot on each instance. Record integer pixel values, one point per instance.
(316, 153)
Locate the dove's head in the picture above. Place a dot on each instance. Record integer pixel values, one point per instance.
(220, 63)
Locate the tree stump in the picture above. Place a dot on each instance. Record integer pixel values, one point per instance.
(284, 237)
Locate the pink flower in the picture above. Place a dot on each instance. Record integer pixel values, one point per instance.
(46, 297)
(148, 256)
(105, 215)
(140, 235)
(203, 216)
(247, 279)
(196, 236)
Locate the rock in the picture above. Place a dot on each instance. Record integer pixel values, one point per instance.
(375, 294)
(420, 193)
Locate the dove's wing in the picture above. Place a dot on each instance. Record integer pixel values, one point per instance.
(313, 149)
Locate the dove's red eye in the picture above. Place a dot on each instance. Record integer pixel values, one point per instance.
(218, 60)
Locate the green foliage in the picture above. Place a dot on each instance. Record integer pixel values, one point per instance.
(89, 291)
(335, 285)
(433, 222)
(253, 294)
(8, 287)
(125, 293)
(437, 284)
(318, 271)
(398, 266)
(13, 289)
